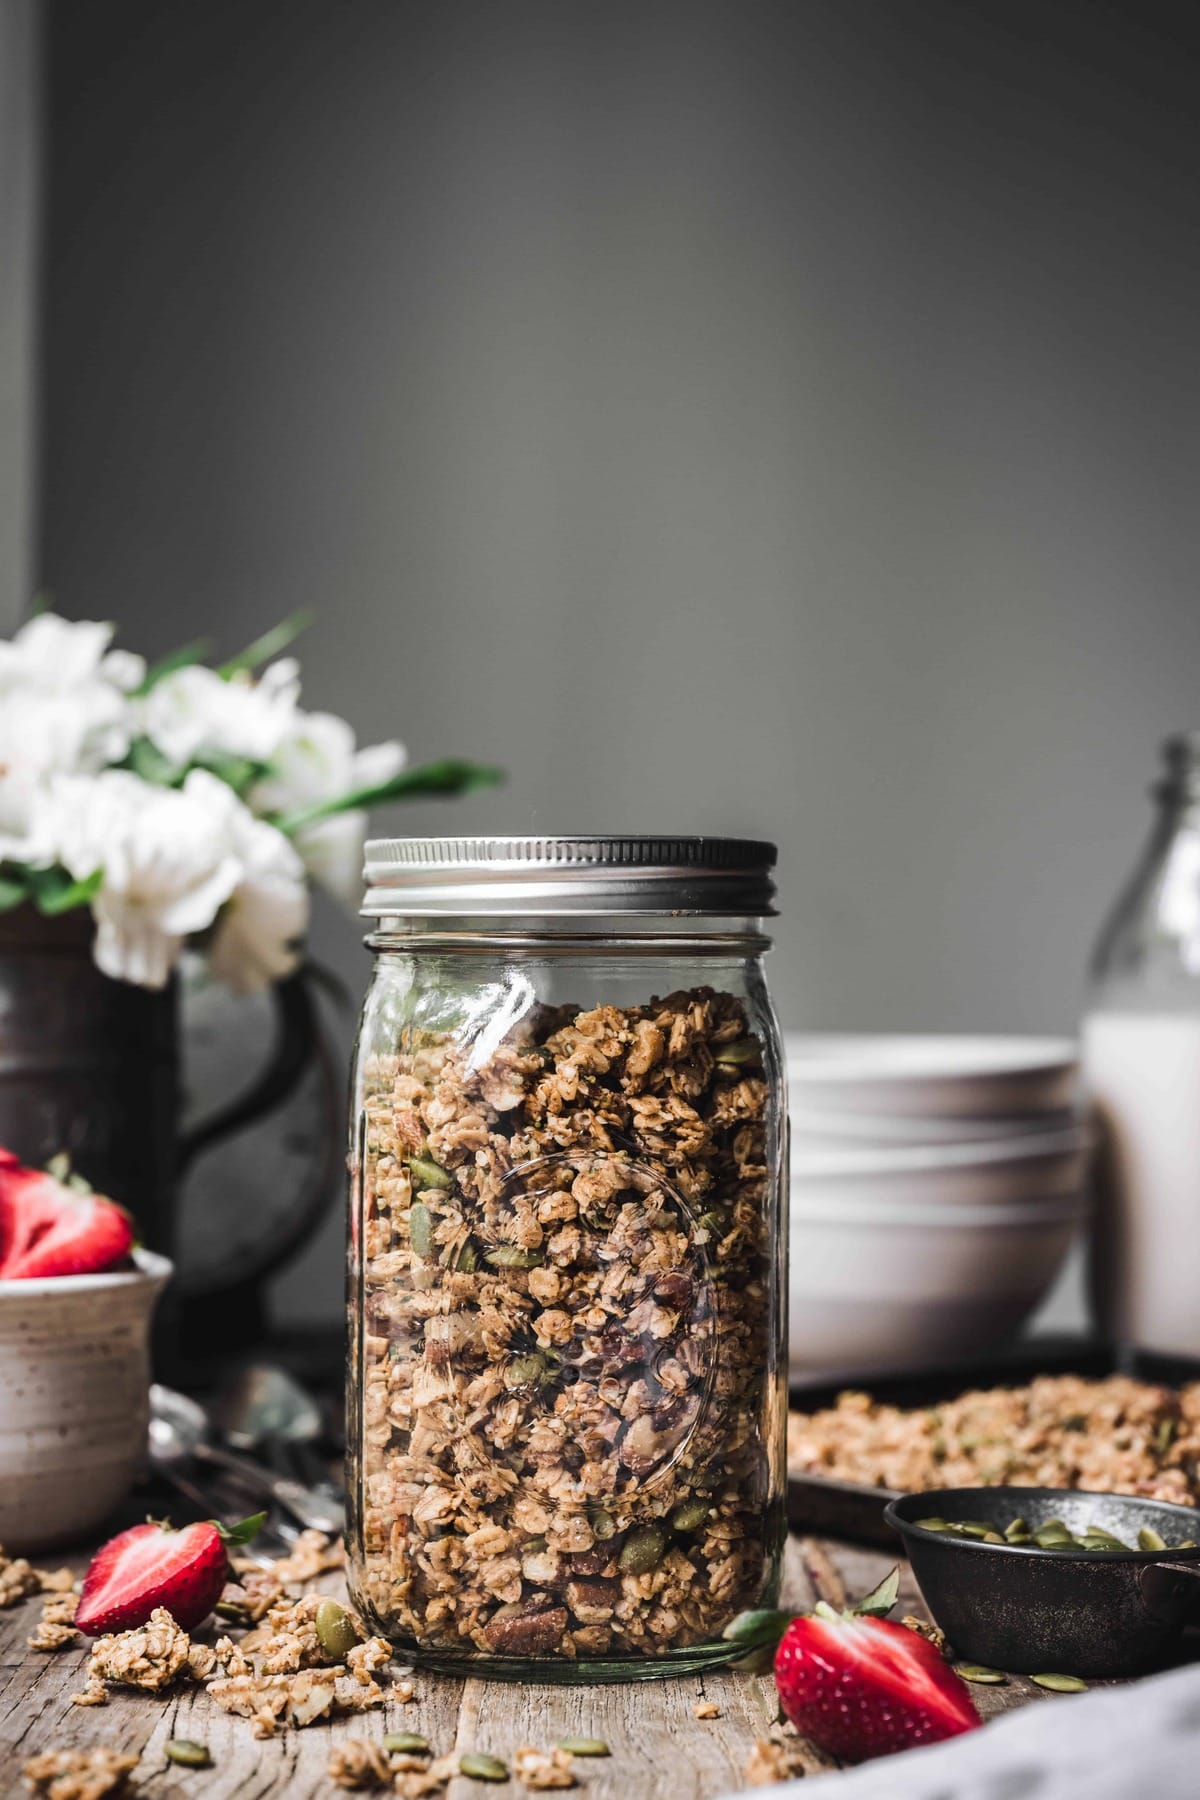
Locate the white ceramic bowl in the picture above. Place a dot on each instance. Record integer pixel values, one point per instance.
(931, 1077)
(876, 1287)
(74, 1407)
(856, 1130)
(1013, 1170)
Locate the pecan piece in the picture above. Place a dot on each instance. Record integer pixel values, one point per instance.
(527, 1633)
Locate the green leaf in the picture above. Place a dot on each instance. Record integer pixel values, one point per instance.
(238, 772)
(755, 1630)
(450, 776)
(235, 1536)
(54, 891)
(270, 645)
(14, 890)
(880, 1601)
(145, 759)
(183, 658)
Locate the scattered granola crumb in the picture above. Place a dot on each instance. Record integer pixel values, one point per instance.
(78, 1774)
(17, 1580)
(926, 1629)
(706, 1709)
(56, 1581)
(776, 1759)
(359, 1764)
(402, 1690)
(94, 1694)
(543, 1768)
(152, 1656)
(311, 1555)
(54, 1630)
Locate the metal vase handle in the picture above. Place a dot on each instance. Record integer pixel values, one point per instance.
(299, 1044)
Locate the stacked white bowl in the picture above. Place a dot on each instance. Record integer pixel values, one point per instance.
(936, 1186)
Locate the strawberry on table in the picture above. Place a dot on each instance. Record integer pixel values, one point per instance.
(48, 1227)
(150, 1566)
(855, 1683)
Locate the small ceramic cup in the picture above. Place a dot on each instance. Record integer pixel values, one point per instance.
(74, 1399)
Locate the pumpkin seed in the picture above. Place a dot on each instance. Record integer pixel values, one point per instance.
(523, 1371)
(604, 1526)
(482, 1767)
(232, 1610)
(1148, 1539)
(335, 1629)
(1186, 1544)
(1053, 1535)
(188, 1753)
(406, 1743)
(584, 1746)
(1061, 1684)
(740, 1051)
(932, 1524)
(642, 1550)
(534, 1547)
(1164, 1436)
(428, 1174)
(511, 1256)
(1016, 1529)
(977, 1672)
(462, 1257)
(420, 1229)
(975, 1528)
(690, 1516)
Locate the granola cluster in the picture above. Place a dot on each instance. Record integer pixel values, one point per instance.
(19, 1579)
(567, 1418)
(78, 1774)
(1117, 1436)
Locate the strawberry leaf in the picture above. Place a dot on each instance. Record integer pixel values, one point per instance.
(234, 1536)
(755, 1629)
(880, 1601)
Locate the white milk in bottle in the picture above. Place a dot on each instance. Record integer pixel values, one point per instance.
(1141, 1059)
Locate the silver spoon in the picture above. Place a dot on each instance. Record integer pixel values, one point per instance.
(179, 1434)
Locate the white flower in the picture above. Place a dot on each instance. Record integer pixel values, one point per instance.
(61, 655)
(319, 761)
(257, 935)
(166, 861)
(64, 710)
(195, 712)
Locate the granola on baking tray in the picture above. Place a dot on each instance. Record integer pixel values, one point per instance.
(567, 1428)
(1116, 1435)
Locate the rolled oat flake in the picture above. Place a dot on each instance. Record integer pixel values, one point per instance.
(566, 1166)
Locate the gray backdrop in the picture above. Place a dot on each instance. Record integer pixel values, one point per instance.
(777, 419)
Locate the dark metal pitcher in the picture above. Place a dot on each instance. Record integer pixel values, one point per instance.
(91, 1066)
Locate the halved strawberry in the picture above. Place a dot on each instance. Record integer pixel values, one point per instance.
(856, 1684)
(50, 1228)
(151, 1565)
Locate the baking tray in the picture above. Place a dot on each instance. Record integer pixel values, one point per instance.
(824, 1507)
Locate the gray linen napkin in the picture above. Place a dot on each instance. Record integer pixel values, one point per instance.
(1140, 1742)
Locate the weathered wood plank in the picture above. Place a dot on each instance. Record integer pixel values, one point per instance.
(660, 1750)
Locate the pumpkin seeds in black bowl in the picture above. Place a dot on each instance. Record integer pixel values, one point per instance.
(1009, 1601)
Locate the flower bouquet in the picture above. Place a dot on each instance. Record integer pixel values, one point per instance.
(185, 805)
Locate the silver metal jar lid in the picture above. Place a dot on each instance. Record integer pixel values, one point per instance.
(586, 876)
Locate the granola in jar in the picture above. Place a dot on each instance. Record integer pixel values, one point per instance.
(567, 1410)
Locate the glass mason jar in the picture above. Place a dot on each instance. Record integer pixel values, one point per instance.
(1141, 1050)
(567, 1409)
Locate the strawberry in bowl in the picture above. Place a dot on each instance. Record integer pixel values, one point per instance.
(76, 1301)
(50, 1226)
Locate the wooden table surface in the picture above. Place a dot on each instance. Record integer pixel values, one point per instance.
(660, 1751)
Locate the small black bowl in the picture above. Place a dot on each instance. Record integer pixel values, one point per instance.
(1064, 1612)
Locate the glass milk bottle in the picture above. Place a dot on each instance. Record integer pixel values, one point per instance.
(1141, 1047)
